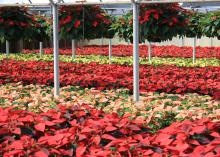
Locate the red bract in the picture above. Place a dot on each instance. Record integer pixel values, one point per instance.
(164, 78)
(77, 23)
(126, 50)
(86, 135)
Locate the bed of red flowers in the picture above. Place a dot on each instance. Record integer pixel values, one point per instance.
(164, 78)
(85, 131)
(126, 50)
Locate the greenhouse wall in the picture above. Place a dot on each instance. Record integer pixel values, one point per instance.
(204, 41)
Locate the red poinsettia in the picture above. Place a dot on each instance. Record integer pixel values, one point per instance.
(77, 24)
(95, 23)
(158, 22)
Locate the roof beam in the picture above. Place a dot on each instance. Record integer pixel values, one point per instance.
(30, 1)
(176, 1)
(138, 1)
(83, 2)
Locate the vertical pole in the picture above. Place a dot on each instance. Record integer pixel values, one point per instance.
(194, 50)
(56, 50)
(102, 41)
(7, 47)
(211, 42)
(135, 52)
(73, 49)
(149, 52)
(40, 43)
(41, 48)
(101, 46)
(110, 50)
(183, 41)
(21, 44)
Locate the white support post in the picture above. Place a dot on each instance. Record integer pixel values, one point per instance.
(211, 42)
(41, 48)
(135, 52)
(21, 42)
(149, 52)
(194, 50)
(102, 41)
(110, 51)
(7, 47)
(56, 50)
(73, 49)
(183, 41)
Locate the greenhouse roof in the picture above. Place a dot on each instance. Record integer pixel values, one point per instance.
(47, 2)
(75, 2)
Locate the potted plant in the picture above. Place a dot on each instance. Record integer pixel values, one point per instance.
(15, 24)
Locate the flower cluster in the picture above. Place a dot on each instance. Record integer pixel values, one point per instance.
(42, 27)
(79, 22)
(158, 22)
(85, 131)
(163, 78)
(161, 22)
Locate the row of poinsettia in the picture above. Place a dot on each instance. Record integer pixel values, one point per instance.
(180, 62)
(85, 131)
(163, 78)
(126, 50)
(158, 110)
(158, 22)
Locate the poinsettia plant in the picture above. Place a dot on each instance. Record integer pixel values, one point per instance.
(161, 22)
(211, 24)
(107, 31)
(42, 27)
(194, 27)
(15, 23)
(82, 22)
(158, 22)
(123, 27)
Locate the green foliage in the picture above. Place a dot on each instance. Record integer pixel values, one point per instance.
(194, 28)
(123, 27)
(211, 24)
(107, 31)
(42, 28)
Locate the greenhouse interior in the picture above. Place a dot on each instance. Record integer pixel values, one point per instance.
(110, 78)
